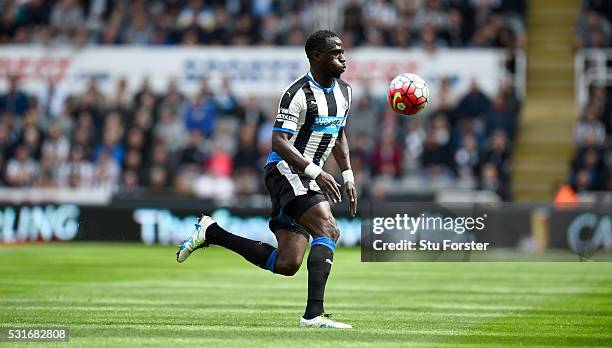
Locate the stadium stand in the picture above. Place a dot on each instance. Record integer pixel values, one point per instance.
(213, 143)
(591, 164)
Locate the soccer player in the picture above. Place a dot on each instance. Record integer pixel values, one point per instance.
(309, 126)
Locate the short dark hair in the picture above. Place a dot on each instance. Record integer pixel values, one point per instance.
(317, 41)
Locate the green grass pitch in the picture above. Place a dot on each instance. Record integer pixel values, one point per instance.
(129, 295)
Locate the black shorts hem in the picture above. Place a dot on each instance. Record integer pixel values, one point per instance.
(299, 204)
(276, 225)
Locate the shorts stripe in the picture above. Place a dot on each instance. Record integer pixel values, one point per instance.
(293, 179)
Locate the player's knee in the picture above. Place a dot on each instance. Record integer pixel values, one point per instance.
(335, 233)
(329, 228)
(287, 266)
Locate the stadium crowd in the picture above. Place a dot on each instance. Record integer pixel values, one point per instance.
(427, 23)
(214, 144)
(591, 166)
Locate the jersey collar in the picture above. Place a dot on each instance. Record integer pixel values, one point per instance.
(326, 90)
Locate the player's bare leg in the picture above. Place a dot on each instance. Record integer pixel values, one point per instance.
(290, 252)
(320, 223)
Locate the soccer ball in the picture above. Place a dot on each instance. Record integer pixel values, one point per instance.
(408, 94)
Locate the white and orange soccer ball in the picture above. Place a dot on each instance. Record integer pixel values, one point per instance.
(408, 94)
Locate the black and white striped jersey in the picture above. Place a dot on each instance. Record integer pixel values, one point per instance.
(314, 115)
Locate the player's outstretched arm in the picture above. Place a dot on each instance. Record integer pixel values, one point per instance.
(288, 152)
(341, 154)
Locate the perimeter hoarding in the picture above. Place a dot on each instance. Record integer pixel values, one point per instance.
(534, 228)
(262, 72)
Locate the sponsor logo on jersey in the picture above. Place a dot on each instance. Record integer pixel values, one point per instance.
(328, 120)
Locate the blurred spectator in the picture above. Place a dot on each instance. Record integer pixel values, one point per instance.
(326, 14)
(467, 159)
(134, 163)
(414, 140)
(245, 31)
(217, 182)
(66, 18)
(51, 98)
(264, 134)
(139, 31)
(490, 180)
(589, 167)
(110, 146)
(136, 139)
(246, 182)
(201, 114)
(195, 15)
(56, 145)
(583, 181)
(22, 169)
(194, 154)
(501, 116)
(145, 95)
(83, 138)
(45, 177)
(77, 172)
(497, 153)
(212, 186)
(247, 155)
(15, 100)
(158, 179)
(251, 113)
(603, 7)
(5, 144)
(446, 97)
(437, 158)
(30, 138)
(173, 99)
(107, 171)
(225, 99)
(171, 131)
(219, 163)
(589, 129)
(456, 34)
(473, 105)
(120, 99)
(143, 118)
(366, 113)
(379, 15)
(182, 184)
(387, 156)
(432, 16)
(353, 18)
(593, 30)
(130, 180)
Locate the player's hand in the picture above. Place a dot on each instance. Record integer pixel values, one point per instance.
(351, 193)
(329, 186)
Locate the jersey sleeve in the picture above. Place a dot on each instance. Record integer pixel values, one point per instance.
(290, 109)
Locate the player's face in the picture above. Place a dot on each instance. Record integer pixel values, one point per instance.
(332, 58)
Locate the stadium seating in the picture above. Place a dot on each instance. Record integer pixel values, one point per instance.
(152, 140)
